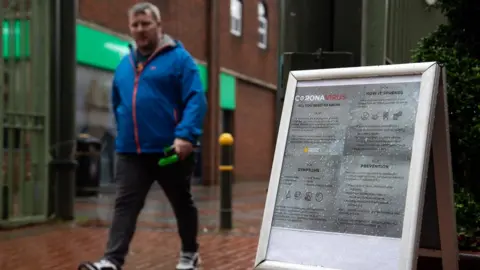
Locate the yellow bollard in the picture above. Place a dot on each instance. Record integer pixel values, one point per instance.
(226, 176)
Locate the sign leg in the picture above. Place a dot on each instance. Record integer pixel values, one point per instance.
(444, 181)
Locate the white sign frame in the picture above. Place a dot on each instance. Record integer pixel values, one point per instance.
(430, 73)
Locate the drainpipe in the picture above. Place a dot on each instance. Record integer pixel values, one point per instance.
(210, 148)
(63, 164)
(280, 45)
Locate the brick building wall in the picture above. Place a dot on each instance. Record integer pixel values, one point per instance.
(242, 53)
(255, 68)
(255, 111)
(254, 126)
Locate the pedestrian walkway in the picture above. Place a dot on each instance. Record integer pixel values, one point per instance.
(155, 245)
(248, 203)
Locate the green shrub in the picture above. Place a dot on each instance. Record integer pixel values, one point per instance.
(456, 45)
(468, 221)
(463, 78)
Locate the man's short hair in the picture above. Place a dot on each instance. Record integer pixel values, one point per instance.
(145, 7)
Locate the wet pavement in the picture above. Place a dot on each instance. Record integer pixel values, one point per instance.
(155, 245)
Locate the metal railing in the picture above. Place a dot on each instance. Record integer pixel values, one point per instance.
(24, 111)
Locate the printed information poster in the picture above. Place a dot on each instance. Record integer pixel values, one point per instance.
(347, 159)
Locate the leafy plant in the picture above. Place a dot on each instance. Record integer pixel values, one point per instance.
(456, 45)
(468, 221)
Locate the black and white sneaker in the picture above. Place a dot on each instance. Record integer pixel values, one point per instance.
(100, 265)
(188, 261)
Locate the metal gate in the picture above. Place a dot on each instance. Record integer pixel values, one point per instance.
(24, 86)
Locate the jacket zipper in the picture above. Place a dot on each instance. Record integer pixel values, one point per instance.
(134, 113)
(138, 71)
(175, 116)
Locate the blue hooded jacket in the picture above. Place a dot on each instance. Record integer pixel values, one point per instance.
(158, 101)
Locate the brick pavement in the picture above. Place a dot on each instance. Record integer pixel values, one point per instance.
(248, 203)
(155, 245)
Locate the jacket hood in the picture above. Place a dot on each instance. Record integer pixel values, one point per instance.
(164, 41)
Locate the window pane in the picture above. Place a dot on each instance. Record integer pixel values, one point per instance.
(262, 40)
(235, 9)
(263, 25)
(235, 26)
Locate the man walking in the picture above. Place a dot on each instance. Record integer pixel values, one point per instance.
(158, 101)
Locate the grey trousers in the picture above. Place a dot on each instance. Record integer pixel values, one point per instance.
(134, 177)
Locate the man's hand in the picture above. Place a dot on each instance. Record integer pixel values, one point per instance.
(183, 148)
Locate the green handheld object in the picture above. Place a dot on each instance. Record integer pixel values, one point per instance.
(170, 157)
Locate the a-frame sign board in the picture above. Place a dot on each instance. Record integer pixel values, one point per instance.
(349, 176)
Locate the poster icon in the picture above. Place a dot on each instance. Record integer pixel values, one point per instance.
(397, 115)
(298, 195)
(365, 115)
(308, 196)
(319, 197)
(385, 116)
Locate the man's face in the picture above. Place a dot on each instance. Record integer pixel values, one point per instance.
(144, 29)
